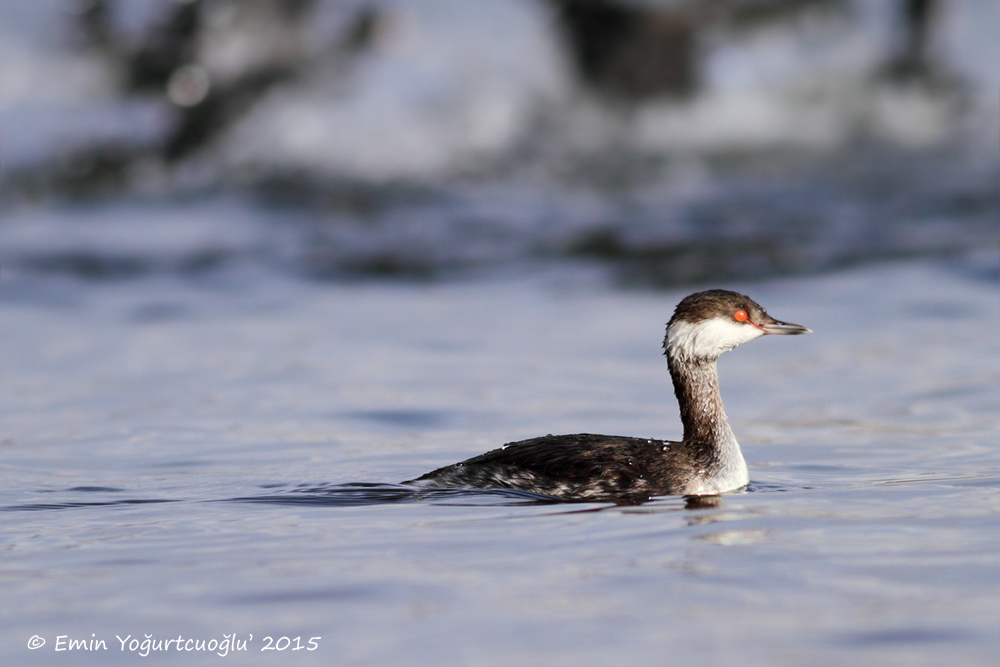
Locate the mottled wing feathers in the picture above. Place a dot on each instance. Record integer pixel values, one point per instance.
(574, 466)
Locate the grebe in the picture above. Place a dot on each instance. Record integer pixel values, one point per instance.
(708, 461)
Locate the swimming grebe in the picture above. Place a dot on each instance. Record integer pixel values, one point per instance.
(708, 461)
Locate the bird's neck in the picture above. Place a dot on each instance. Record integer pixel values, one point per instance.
(696, 385)
(707, 435)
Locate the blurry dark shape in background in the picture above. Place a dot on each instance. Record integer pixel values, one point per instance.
(806, 211)
(638, 50)
(165, 62)
(169, 45)
(630, 50)
(916, 23)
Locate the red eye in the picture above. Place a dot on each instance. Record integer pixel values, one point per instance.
(741, 316)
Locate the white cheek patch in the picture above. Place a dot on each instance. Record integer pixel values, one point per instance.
(708, 339)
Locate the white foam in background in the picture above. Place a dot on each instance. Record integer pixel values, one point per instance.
(447, 83)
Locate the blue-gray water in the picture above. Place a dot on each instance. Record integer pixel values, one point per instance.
(173, 450)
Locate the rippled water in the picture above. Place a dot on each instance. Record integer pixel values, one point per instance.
(199, 457)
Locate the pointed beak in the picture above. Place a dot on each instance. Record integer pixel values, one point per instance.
(784, 328)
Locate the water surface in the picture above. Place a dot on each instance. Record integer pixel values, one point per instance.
(203, 457)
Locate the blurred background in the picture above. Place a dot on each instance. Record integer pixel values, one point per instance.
(665, 142)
